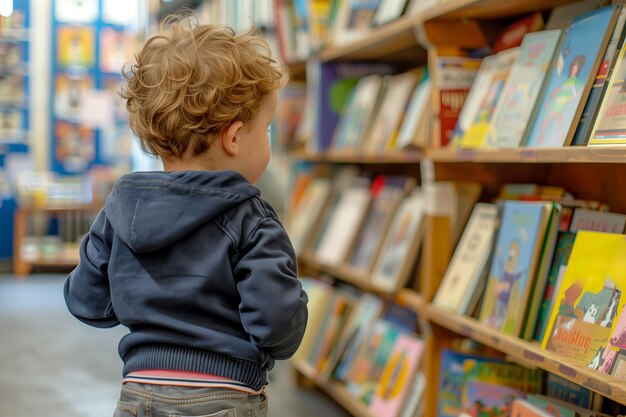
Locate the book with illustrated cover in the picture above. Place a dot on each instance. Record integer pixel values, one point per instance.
(567, 391)
(590, 111)
(307, 213)
(522, 408)
(557, 408)
(514, 265)
(569, 82)
(387, 193)
(584, 219)
(466, 270)
(520, 93)
(610, 123)
(414, 128)
(354, 20)
(401, 245)
(474, 135)
(613, 360)
(589, 300)
(561, 16)
(415, 404)
(397, 376)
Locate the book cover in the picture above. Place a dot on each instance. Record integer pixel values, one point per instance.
(483, 399)
(588, 302)
(610, 124)
(308, 212)
(467, 267)
(454, 77)
(474, 136)
(561, 17)
(401, 245)
(570, 392)
(570, 79)
(513, 35)
(515, 107)
(116, 48)
(613, 360)
(513, 267)
(76, 46)
(414, 406)
(584, 219)
(590, 111)
(416, 118)
(522, 408)
(70, 95)
(558, 408)
(354, 20)
(397, 376)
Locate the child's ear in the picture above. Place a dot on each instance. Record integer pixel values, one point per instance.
(229, 138)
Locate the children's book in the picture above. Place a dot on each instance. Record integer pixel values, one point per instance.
(483, 399)
(585, 125)
(557, 408)
(515, 107)
(465, 275)
(514, 265)
(389, 10)
(307, 213)
(362, 317)
(570, 79)
(610, 124)
(474, 136)
(354, 20)
(561, 17)
(454, 77)
(387, 193)
(413, 131)
(397, 376)
(614, 356)
(414, 405)
(597, 221)
(567, 391)
(588, 303)
(522, 408)
(401, 245)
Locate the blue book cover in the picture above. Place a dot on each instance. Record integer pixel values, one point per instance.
(562, 389)
(571, 78)
(513, 267)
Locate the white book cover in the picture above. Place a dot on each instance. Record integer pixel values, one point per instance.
(597, 221)
(414, 115)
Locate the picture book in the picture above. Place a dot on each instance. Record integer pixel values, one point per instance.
(76, 46)
(452, 381)
(453, 79)
(12, 129)
(345, 220)
(414, 406)
(514, 265)
(561, 256)
(75, 146)
(70, 95)
(474, 136)
(587, 118)
(483, 399)
(520, 93)
(464, 276)
(527, 380)
(512, 36)
(359, 112)
(588, 302)
(610, 124)
(522, 408)
(557, 408)
(393, 104)
(561, 16)
(584, 219)
(354, 20)
(613, 360)
(307, 214)
(387, 193)
(364, 313)
(397, 375)
(371, 360)
(401, 245)
(567, 391)
(570, 79)
(116, 48)
(413, 131)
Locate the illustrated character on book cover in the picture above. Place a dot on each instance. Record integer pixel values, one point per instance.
(509, 276)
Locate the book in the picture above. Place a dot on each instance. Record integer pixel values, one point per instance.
(397, 376)
(570, 392)
(387, 193)
(561, 16)
(354, 20)
(514, 265)
(414, 129)
(555, 407)
(389, 10)
(569, 82)
(304, 220)
(522, 408)
(513, 35)
(414, 406)
(515, 107)
(474, 136)
(590, 111)
(348, 212)
(589, 300)
(401, 245)
(464, 277)
(609, 127)
(452, 82)
(584, 219)
(613, 360)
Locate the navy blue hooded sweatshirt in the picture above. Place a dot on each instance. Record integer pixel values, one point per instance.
(200, 270)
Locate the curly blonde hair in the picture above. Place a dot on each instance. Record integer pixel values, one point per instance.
(190, 81)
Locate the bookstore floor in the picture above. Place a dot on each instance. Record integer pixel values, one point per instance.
(52, 365)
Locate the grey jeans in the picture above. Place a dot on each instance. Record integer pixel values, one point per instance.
(142, 400)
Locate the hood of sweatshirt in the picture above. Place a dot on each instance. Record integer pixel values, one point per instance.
(151, 210)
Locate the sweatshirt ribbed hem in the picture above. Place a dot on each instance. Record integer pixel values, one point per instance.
(186, 359)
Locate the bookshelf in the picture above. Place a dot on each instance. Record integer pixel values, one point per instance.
(593, 173)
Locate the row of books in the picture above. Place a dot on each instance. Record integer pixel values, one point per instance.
(306, 26)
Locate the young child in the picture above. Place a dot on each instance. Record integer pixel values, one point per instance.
(192, 260)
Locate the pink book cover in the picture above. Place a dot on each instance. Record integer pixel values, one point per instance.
(396, 378)
(613, 357)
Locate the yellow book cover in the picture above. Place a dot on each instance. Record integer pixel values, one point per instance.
(589, 299)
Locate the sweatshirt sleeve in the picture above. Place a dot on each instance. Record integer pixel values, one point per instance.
(273, 304)
(86, 289)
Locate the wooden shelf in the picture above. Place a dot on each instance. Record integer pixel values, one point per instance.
(384, 41)
(572, 154)
(297, 70)
(529, 353)
(359, 157)
(412, 300)
(485, 9)
(335, 390)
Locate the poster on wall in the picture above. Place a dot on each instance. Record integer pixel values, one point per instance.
(75, 147)
(76, 11)
(76, 45)
(116, 49)
(70, 94)
(12, 90)
(12, 126)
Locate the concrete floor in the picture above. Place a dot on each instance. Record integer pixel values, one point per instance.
(52, 365)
